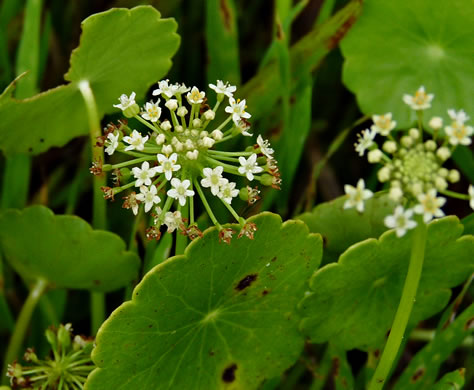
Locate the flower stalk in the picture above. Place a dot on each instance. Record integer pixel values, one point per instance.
(404, 308)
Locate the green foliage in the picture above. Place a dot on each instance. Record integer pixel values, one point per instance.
(218, 317)
(423, 368)
(398, 45)
(65, 251)
(341, 228)
(354, 301)
(451, 381)
(109, 57)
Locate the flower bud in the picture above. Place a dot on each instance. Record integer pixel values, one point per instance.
(414, 133)
(374, 156)
(166, 125)
(440, 183)
(179, 128)
(454, 176)
(197, 122)
(171, 104)
(192, 155)
(64, 338)
(208, 142)
(436, 123)
(395, 194)
(189, 144)
(406, 141)
(443, 153)
(390, 147)
(160, 139)
(209, 115)
(217, 135)
(383, 174)
(182, 111)
(167, 149)
(430, 145)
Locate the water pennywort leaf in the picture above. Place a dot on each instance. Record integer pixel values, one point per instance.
(354, 301)
(64, 250)
(398, 45)
(221, 316)
(120, 50)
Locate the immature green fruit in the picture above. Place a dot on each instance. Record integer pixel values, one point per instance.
(244, 194)
(131, 111)
(266, 179)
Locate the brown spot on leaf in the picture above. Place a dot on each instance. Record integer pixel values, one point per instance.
(341, 32)
(280, 34)
(325, 241)
(246, 282)
(226, 14)
(377, 353)
(228, 375)
(96, 282)
(274, 259)
(211, 353)
(418, 374)
(469, 324)
(336, 363)
(265, 292)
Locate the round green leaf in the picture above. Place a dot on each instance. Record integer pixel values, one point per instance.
(340, 228)
(354, 301)
(398, 45)
(219, 317)
(64, 250)
(120, 51)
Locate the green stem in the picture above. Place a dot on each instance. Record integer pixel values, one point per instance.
(404, 309)
(453, 194)
(97, 300)
(18, 336)
(206, 205)
(181, 239)
(99, 215)
(223, 153)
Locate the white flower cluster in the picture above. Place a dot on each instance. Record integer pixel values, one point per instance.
(413, 164)
(177, 158)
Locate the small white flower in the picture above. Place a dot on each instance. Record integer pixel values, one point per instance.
(135, 141)
(227, 192)
(459, 116)
(126, 101)
(167, 165)
(152, 111)
(420, 101)
(400, 221)
(265, 147)
(471, 196)
(365, 140)
(436, 122)
(173, 220)
(213, 179)
(237, 109)
(112, 142)
(249, 166)
(180, 190)
(243, 126)
(430, 205)
(383, 124)
(181, 88)
(166, 89)
(195, 96)
(357, 195)
(144, 174)
(459, 133)
(148, 196)
(223, 88)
